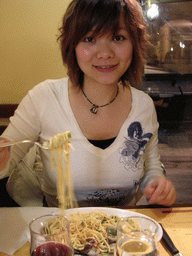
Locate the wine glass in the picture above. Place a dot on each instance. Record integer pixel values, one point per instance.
(50, 236)
(137, 236)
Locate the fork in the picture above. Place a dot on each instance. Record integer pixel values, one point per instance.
(44, 145)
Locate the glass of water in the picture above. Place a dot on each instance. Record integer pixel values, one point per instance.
(137, 236)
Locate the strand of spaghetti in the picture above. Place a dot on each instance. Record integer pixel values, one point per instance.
(72, 203)
(58, 145)
(69, 196)
(61, 180)
(60, 174)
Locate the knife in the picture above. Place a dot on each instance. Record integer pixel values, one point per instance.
(169, 243)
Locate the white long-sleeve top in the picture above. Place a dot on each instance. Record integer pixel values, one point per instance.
(100, 176)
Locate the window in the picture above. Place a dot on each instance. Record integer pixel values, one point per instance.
(169, 26)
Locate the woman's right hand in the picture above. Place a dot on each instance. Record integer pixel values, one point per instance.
(4, 154)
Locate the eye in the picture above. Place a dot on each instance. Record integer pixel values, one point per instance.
(89, 39)
(119, 38)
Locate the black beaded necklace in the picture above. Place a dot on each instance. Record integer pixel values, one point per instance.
(94, 107)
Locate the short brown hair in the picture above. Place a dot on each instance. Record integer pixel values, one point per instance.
(103, 15)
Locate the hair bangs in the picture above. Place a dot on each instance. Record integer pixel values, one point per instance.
(99, 17)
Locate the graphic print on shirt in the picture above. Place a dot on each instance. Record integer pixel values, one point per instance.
(134, 147)
(107, 197)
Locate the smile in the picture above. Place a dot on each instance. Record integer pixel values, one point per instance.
(107, 68)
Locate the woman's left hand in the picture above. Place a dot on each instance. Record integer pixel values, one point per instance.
(161, 191)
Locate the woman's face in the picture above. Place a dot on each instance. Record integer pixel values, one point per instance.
(104, 59)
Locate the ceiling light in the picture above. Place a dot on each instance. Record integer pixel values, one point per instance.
(153, 12)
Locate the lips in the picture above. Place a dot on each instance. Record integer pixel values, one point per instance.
(106, 68)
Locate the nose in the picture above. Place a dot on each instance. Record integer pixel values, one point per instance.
(104, 50)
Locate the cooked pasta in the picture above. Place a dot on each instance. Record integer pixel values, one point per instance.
(130, 225)
(90, 229)
(54, 225)
(59, 146)
(84, 228)
(95, 225)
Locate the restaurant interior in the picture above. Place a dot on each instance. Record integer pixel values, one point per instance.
(167, 79)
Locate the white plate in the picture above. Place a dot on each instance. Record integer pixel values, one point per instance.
(115, 211)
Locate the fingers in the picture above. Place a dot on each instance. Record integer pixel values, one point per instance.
(163, 192)
(170, 198)
(149, 190)
(160, 190)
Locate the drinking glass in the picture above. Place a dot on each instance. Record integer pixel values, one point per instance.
(137, 236)
(54, 241)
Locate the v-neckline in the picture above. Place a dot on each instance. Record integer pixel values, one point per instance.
(105, 152)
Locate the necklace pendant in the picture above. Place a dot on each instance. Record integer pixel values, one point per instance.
(94, 109)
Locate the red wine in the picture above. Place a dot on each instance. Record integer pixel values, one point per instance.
(52, 249)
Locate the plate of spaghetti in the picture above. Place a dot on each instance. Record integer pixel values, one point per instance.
(93, 229)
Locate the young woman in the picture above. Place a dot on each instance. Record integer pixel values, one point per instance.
(114, 125)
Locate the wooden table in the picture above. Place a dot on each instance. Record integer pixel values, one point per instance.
(178, 224)
(176, 221)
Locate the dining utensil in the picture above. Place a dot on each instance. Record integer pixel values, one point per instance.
(50, 236)
(137, 236)
(38, 143)
(169, 243)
